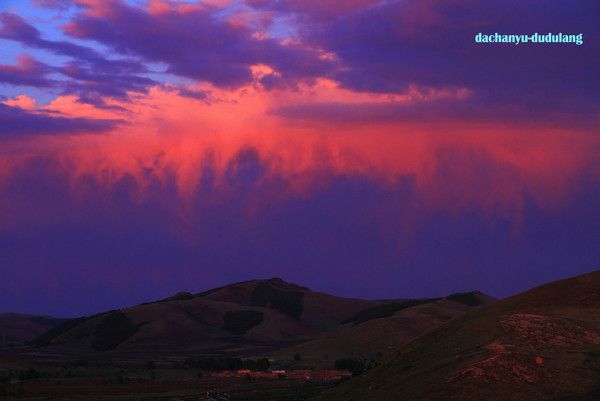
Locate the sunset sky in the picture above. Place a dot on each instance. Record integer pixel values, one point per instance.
(366, 148)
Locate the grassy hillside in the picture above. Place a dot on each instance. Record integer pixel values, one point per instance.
(543, 344)
(373, 338)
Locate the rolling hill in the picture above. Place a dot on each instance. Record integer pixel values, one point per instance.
(236, 319)
(543, 344)
(249, 318)
(18, 329)
(375, 337)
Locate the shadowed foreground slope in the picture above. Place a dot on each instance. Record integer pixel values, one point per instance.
(543, 344)
(18, 329)
(370, 334)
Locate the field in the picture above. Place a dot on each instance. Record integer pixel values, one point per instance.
(114, 382)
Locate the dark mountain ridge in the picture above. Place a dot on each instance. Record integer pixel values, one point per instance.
(244, 318)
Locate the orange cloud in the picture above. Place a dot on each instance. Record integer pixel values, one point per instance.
(22, 101)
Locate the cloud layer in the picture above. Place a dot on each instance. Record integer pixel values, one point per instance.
(367, 148)
(366, 46)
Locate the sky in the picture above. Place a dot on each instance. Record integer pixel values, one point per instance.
(366, 148)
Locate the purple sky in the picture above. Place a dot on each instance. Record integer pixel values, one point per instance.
(364, 148)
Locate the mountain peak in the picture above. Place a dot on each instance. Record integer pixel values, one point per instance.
(281, 283)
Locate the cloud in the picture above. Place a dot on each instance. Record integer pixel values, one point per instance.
(389, 46)
(196, 43)
(18, 124)
(22, 101)
(90, 73)
(366, 46)
(189, 92)
(127, 243)
(53, 4)
(315, 9)
(27, 71)
(212, 192)
(416, 104)
(319, 140)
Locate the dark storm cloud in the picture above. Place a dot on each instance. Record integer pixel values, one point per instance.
(369, 46)
(188, 92)
(197, 44)
(74, 240)
(18, 123)
(91, 75)
(27, 71)
(386, 48)
(16, 28)
(316, 9)
(350, 237)
(96, 80)
(474, 108)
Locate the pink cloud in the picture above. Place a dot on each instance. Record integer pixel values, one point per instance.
(169, 136)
